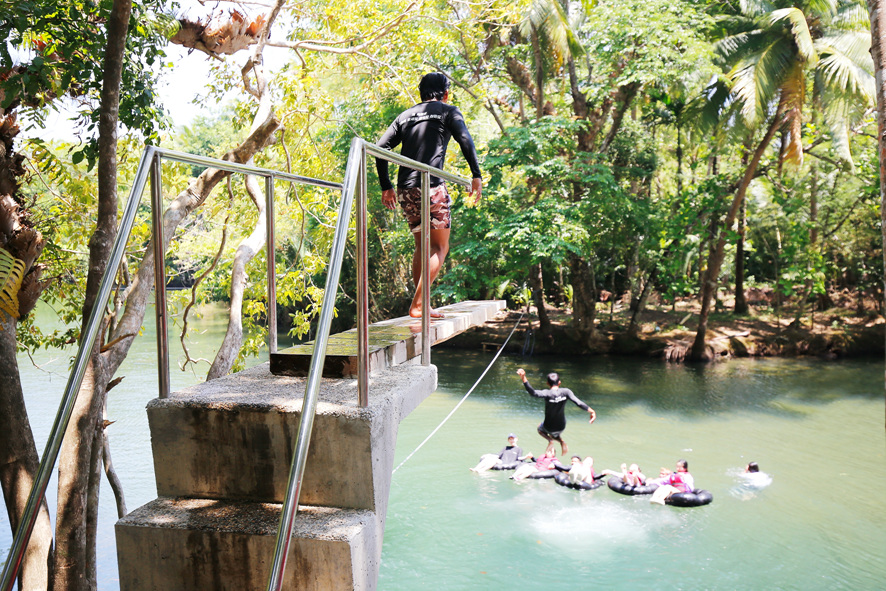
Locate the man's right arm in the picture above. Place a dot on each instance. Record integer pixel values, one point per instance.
(389, 140)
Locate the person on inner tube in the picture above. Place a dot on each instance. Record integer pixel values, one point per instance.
(547, 463)
(507, 459)
(555, 397)
(680, 481)
(631, 476)
(581, 471)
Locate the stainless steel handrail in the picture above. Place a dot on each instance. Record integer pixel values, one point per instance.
(354, 182)
(148, 165)
(363, 289)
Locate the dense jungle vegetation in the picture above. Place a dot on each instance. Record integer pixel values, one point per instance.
(629, 148)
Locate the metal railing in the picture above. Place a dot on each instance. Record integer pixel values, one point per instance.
(354, 182)
(149, 167)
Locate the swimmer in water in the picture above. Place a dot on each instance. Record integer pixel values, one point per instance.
(555, 397)
(752, 482)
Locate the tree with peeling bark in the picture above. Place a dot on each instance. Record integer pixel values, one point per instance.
(60, 50)
(227, 32)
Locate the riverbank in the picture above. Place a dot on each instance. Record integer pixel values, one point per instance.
(847, 329)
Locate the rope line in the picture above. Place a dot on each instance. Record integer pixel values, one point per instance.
(452, 412)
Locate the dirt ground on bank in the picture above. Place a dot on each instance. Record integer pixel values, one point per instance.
(849, 327)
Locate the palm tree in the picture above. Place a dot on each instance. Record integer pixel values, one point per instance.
(547, 26)
(776, 50)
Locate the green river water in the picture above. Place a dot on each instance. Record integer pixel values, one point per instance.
(815, 427)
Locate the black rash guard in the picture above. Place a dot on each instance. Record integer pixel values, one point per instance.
(555, 400)
(425, 131)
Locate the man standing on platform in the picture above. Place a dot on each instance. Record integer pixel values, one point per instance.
(425, 131)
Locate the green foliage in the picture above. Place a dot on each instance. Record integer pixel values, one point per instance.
(625, 211)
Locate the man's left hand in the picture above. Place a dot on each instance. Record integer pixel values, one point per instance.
(476, 192)
(389, 199)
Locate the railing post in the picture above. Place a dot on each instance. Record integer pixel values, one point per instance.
(315, 373)
(425, 268)
(362, 287)
(159, 277)
(271, 252)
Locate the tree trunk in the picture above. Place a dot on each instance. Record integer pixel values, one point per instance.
(679, 160)
(73, 570)
(80, 454)
(18, 453)
(642, 299)
(539, 76)
(19, 462)
(536, 281)
(878, 51)
(246, 251)
(584, 299)
(715, 261)
(741, 302)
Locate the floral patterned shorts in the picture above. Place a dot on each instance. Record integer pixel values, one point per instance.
(410, 201)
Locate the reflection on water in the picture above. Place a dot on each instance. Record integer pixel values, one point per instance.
(811, 426)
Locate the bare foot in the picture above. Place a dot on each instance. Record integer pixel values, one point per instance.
(564, 448)
(416, 313)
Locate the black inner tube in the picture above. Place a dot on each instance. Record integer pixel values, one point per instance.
(562, 479)
(696, 498)
(618, 485)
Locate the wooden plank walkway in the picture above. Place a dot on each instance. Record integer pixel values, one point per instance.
(391, 342)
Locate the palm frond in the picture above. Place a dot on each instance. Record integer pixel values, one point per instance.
(837, 116)
(740, 43)
(852, 15)
(755, 8)
(799, 30)
(822, 8)
(548, 17)
(758, 78)
(847, 66)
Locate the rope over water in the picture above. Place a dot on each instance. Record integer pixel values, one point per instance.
(452, 412)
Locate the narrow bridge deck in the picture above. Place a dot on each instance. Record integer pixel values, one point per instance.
(391, 342)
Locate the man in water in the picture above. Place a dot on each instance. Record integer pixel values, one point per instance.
(555, 398)
(507, 459)
(752, 481)
(425, 130)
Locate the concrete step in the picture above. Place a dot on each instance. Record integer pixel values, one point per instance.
(187, 544)
(391, 342)
(233, 438)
